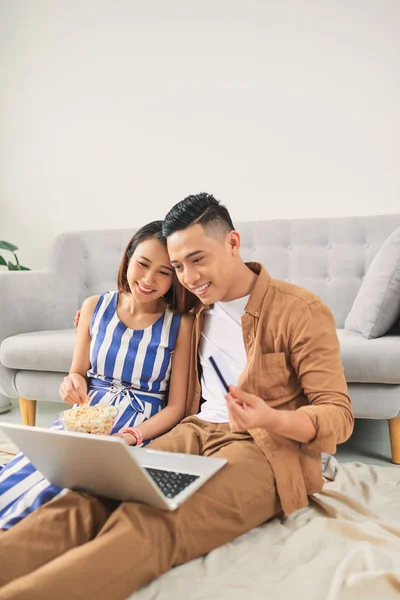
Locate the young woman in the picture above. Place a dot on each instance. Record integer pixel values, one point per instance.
(131, 352)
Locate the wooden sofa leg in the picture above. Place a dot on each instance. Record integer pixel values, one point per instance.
(28, 411)
(394, 432)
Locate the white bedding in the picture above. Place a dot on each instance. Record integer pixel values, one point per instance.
(345, 545)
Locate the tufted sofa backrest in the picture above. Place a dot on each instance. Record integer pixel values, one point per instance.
(90, 259)
(328, 256)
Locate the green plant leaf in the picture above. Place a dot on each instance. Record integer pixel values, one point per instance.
(2, 261)
(8, 246)
(12, 267)
(21, 268)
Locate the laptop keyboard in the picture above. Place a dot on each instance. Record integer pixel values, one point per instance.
(171, 482)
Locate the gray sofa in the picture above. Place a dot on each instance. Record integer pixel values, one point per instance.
(328, 256)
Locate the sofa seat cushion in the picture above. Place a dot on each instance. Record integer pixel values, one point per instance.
(370, 361)
(365, 361)
(39, 350)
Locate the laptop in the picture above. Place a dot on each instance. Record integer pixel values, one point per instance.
(107, 466)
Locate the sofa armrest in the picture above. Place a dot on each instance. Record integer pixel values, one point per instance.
(34, 301)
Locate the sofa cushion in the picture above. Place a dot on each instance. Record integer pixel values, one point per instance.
(39, 385)
(377, 304)
(370, 361)
(39, 350)
(365, 361)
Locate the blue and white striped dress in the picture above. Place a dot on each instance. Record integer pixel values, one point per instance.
(130, 369)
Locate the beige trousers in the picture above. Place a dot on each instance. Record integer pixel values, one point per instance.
(79, 547)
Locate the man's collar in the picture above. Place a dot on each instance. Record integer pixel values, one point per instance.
(253, 306)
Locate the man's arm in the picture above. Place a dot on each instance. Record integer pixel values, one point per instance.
(315, 357)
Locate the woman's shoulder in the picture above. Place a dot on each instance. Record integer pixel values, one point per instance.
(185, 319)
(90, 303)
(188, 319)
(94, 303)
(186, 323)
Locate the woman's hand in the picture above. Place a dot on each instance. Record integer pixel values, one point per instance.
(247, 411)
(128, 437)
(73, 389)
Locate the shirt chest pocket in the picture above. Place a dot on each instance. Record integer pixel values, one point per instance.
(273, 376)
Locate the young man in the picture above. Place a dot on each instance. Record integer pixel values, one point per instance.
(291, 403)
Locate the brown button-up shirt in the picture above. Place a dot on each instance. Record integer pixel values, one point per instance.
(293, 363)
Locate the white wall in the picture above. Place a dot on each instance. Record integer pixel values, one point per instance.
(113, 110)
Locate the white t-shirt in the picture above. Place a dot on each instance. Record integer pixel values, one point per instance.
(222, 330)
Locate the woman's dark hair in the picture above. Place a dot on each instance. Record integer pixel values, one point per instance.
(178, 298)
(203, 209)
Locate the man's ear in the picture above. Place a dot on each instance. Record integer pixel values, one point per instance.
(234, 242)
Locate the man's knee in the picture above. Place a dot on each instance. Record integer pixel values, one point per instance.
(182, 438)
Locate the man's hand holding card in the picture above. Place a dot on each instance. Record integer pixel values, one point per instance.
(246, 411)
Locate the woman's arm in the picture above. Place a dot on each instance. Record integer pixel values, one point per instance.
(74, 387)
(172, 414)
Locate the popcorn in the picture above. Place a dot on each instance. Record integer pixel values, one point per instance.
(97, 419)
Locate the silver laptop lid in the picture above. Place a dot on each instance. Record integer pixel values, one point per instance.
(106, 465)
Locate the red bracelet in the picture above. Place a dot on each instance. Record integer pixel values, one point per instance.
(136, 433)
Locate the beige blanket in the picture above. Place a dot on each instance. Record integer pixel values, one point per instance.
(345, 545)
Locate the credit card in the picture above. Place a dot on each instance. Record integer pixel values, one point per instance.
(222, 371)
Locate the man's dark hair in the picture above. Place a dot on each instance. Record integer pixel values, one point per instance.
(202, 209)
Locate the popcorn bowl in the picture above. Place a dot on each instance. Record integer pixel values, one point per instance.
(98, 419)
